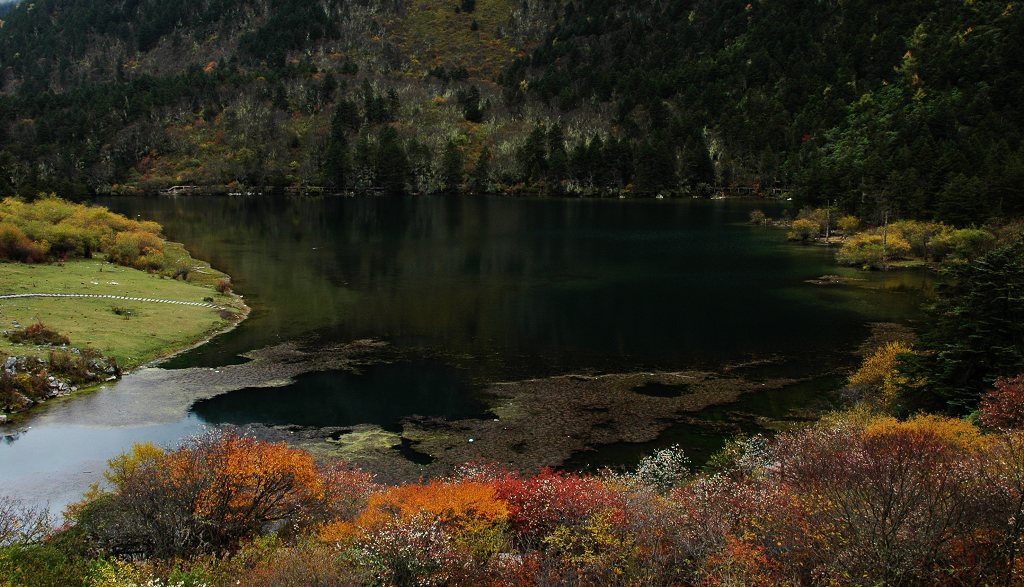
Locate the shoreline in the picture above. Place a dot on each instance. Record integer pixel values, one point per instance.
(232, 309)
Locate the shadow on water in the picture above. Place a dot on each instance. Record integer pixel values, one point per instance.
(381, 394)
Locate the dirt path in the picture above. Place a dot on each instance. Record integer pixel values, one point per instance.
(106, 296)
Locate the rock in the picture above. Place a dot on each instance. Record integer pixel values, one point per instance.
(3, 418)
(11, 363)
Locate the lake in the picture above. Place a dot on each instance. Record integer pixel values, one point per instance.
(468, 291)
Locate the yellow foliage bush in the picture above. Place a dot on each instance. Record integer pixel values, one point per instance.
(56, 228)
(953, 432)
(866, 249)
(848, 223)
(121, 467)
(803, 229)
(878, 373)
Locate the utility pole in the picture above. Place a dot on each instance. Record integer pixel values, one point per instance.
(828, 219)
(885, 238)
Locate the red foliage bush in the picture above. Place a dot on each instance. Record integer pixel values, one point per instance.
(1003, 407)
(38, 333)
(539, 504)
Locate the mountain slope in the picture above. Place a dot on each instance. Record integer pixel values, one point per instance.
(908, 109)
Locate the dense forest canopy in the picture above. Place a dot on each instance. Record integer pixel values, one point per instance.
(907, 109)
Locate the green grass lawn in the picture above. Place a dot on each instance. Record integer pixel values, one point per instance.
(153, 330)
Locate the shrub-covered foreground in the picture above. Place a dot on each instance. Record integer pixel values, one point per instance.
(853, 500)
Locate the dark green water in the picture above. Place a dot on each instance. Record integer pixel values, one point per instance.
(474, 290)
(515, 288)
(380, 394)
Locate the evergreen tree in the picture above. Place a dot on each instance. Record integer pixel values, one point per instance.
(336, 157)
(469, 100)
(655, 166)
(976, 334)
(482, 171)
(558, 160)
(532, 157)
(452, 167)
(392, 165)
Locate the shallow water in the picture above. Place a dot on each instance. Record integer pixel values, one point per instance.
(474, 290)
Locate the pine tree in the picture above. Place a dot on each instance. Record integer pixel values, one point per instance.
(452, 167)
(558, 160)
(392, 164)
(336, 162)
(976, 334)
(482, 171)
(532, 156)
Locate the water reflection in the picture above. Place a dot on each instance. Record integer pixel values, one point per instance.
(526, 287)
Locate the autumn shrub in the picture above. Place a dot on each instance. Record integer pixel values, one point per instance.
(15, 246)
(461, 523)
(918, 234)
(965, 244)
(1003, 406)
(135, 249)
(42, 565)
(223, 286)
(819, 216)
(879, 379)
(22, 524)
(16, 391)
(886, 499)
(661, 470)
(418, 551)
(866, 249)
(593, 552)
(758, 217)
(848, 223)
(1001, 497)
(740, 563)
(51, 228)
(208, 495)
(803, 229)
(38, 334)
(269, 561)
(539, 504)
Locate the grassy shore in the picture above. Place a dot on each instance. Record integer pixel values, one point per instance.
(147, 331)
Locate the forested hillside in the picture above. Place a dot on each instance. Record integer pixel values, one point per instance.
(905, 108)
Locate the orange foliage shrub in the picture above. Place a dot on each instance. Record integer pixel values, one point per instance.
(460, 507)
(221, 488)
(14, 245)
